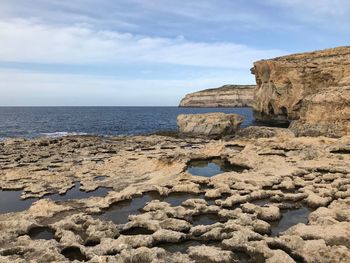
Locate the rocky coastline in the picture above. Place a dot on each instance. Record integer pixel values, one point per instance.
(227, 96)
(269, 176)
(258, 194)
(310, 90)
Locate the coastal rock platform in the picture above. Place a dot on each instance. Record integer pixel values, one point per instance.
(281, 199)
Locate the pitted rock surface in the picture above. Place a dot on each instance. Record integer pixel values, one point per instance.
(227, 217)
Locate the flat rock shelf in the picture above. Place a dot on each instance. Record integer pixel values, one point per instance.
(244, 199)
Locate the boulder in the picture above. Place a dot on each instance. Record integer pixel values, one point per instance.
(311, 90)
(225, 96)
(210, 124)
(210, 254)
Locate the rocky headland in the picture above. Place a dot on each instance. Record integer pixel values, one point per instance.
(229, 96)
(259, 195)
(310, 90)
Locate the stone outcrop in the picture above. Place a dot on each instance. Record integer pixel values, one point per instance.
(229, 96)
(311, 90)
(210, 124)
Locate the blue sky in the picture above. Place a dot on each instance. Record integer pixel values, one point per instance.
(151, 52)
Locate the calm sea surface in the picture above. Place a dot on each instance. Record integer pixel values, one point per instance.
(30, 122)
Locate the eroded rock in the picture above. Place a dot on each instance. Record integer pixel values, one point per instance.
(231, 214)
(307, 89)
(209, 124)
(226, 96)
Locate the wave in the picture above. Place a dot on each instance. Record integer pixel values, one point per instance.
(61, 134)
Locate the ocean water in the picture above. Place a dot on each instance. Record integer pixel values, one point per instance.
(31, 122)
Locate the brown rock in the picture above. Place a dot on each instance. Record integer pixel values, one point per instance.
(310, 89)
(210, 254)
(210, 124)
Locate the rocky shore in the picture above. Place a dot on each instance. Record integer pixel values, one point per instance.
(240, 215)
(257, 194)
(228, 96)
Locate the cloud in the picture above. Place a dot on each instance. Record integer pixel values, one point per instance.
(133, 10)
(28, 41)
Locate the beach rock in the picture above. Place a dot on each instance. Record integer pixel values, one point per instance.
(267, 213)
(312, 250)
(210, 254)
(264, 132)
(226, 96)
(333, 234)
(311, 90)
(280, 256)
(210, 124)
(169, 236)
(151, 255)
(314, 200)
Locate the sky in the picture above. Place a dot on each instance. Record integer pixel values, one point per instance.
(150, 52)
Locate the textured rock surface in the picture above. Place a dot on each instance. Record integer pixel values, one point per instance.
(209, 124)
(310, 89)
(224, 218)
(225, 96)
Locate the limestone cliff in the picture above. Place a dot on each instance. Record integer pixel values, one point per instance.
(312, 90)
(225, 96)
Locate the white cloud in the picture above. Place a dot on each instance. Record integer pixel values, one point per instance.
(28, 41)
(125, 11)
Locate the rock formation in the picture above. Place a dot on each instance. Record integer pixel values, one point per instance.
(282, 198)
(172, 215)
(209, 124)
(229, 96)
(311, 90)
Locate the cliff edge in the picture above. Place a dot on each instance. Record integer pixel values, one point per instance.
(310, 90)
(226, 96)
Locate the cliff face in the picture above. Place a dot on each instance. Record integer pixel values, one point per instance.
(312, 90)
(225, 96)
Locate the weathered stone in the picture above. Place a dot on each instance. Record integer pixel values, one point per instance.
(310, 89)
(255, 132)
(325, 113)
(164, 235)
(210, 254)
(285, 172)
(210, 124)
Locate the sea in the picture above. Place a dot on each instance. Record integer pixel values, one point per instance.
(32, 122)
